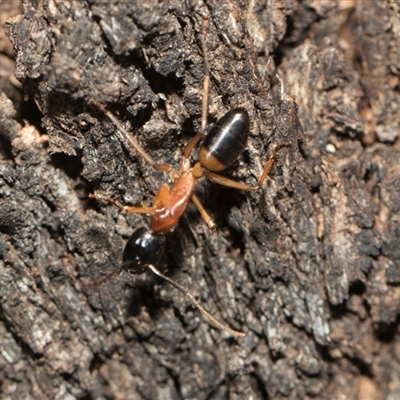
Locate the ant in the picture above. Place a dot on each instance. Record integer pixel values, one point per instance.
(220, 148)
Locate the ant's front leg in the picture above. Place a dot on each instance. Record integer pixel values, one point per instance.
(128, 209)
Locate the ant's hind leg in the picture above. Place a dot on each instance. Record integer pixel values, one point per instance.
(270, 161)
(206, 79)
(204, 103)
(222, 180)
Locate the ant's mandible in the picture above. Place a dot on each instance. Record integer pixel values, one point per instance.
(220, 148)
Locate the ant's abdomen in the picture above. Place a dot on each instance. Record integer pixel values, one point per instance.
(226, 140)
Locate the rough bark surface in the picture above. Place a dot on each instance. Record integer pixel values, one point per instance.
(308, 266)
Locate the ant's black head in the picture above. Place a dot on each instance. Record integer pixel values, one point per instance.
(142, 249)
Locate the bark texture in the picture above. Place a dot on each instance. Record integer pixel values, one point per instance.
(308, 266)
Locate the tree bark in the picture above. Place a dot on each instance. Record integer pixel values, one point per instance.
(308, 266)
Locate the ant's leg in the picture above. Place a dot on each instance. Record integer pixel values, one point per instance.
(191, 144)
(134, 142)
(204, 103)
(173, 173)
(270, 162)
(126, 136)
(204, 111)
(102, 280)
(221, 180)
(275, 149)
(207, 219)
(128, 209)
(220, 325)
(206, 81)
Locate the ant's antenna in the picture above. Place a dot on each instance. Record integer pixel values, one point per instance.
(102, 280)
(207, 315)
(196, 303)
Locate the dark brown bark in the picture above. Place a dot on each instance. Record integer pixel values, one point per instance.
(308, 267)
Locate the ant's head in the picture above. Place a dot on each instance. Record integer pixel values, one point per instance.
(143, 248)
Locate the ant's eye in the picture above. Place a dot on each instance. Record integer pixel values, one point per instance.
(142, 249)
